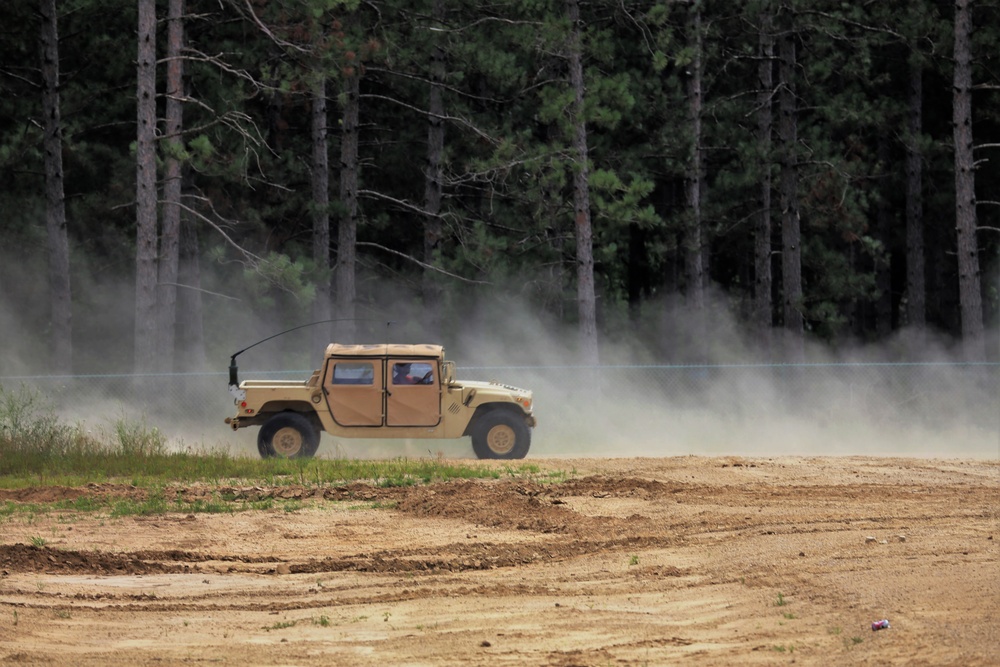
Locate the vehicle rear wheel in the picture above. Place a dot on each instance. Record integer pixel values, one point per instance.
(501, 434)
(288, 435)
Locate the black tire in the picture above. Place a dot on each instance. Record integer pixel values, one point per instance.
(500, 434)
(288, 435)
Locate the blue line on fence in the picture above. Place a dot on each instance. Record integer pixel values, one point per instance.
(246, 373)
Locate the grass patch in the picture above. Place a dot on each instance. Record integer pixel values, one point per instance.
(154, 504)
(374, 505)
(281, 625)
(36, 450)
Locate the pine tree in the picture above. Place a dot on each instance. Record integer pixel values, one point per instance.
(60, 293)
(965, 188)
(146, 199)
(169, 257)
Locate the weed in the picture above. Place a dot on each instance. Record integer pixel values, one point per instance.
(790, 616)
(323, 621)
(781, 601)
(281, 625)
(63, 614)
(38, 541)
(135, 438)
(209, 507)
(154, 504)
(376, 505)
(633, 560)
(265, 504)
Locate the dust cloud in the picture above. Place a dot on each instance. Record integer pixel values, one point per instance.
(706, 387)
(669, 384)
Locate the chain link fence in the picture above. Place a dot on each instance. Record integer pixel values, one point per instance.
(918, 409)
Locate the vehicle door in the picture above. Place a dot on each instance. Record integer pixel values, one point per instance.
(413, 392)
(354, 389)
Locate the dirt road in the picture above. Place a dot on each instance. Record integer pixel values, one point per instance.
(705, 561)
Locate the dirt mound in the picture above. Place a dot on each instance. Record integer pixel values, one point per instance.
(29, 558)
(521, 506)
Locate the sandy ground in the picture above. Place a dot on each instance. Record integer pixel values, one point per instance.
(639, 561)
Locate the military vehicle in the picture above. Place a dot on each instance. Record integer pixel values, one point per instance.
(382, 391)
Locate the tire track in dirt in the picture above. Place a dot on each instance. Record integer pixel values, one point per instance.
(505, 504)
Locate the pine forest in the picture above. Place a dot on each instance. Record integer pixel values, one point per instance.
(640, 179)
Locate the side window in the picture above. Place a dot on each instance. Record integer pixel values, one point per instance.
(412, 373)
(353, 372)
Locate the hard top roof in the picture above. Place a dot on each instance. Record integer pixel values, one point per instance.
(385, 349)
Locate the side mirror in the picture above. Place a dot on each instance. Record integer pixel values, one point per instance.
(468, 399)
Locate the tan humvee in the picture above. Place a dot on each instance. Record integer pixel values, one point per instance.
(383, 391)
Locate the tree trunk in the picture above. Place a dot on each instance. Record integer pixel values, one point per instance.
(763, 307)
(883, 276)
(637, 281)
(190, 319)
(145, 196)
(586, 296)
(166, 303)
(970, 297)
(432, 182)
(916, 290)
(347, 231)
(321, 334)
(60, 295)
(693, 265)
(791, 257)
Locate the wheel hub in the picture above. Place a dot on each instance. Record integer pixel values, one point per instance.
(501, 439)
(287, 442)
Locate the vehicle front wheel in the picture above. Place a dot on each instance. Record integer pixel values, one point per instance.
(288, 435)
(501, 434)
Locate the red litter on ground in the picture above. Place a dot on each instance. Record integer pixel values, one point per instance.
(880, 625)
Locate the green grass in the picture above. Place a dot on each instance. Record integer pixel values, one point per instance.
(37, 450)
(281, 625)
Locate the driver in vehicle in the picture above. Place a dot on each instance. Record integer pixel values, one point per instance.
(412, 374)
